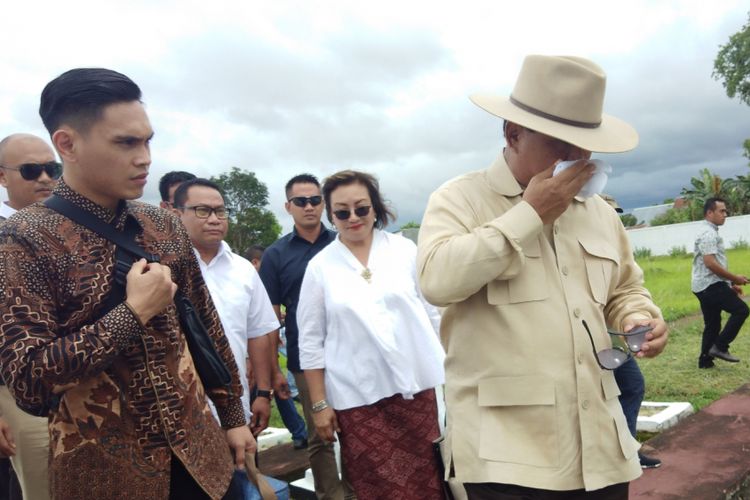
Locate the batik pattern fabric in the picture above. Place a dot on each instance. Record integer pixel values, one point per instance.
(121, 397)
(387, 450)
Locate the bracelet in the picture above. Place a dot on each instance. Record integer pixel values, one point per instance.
(319, 406)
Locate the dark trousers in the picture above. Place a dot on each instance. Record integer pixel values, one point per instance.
(182, 485)
(714, 299)
(497, 491)
(632, 389)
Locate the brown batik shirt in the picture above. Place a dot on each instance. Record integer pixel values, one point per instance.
(121, 397)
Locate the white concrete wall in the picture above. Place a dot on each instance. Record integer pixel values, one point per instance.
(661, 239)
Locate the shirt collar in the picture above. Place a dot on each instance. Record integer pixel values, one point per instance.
(6, 210)
(116, 218)
(321, 234)
(714, 226)
(225, 252)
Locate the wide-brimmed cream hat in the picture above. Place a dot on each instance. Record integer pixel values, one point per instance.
(562, 96)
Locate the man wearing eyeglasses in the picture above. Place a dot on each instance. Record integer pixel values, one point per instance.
(520, 259)
(28, 172)
(236, 290)
(282, 269)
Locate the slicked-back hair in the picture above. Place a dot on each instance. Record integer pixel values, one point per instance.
(78, 97)
(383, 215)
(181, 194)
(710, 204)
(170, 179)
(300, 179)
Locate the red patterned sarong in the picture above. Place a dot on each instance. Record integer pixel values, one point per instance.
(387, 448)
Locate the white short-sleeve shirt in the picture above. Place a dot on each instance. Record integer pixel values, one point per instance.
(243, 306)
(374, 339)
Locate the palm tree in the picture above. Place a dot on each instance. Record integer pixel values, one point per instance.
(709, 185)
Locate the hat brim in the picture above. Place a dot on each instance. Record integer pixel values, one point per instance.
(611, 136)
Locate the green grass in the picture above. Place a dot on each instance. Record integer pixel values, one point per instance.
(674, 375)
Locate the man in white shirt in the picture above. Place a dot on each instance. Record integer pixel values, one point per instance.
(236, 290)
(28, 172)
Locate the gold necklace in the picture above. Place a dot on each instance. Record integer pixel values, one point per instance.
(367, 274)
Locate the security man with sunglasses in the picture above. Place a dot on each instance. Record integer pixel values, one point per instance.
(28, 172)
(282, 269)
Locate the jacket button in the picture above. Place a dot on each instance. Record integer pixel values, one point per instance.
(580, 359)
(585, 404)
(577, 312)
(565, 270)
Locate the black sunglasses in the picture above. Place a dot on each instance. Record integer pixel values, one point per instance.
(301, 201)
(345, 214)
(615, 357)
(32, 171)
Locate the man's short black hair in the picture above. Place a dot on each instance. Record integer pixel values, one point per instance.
(78, 97)
(255, 252)
(170, 179)
(181, 194)
(710, 204)
(300, 179)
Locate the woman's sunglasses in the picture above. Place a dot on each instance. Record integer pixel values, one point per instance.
(32, 171)
(345, 214)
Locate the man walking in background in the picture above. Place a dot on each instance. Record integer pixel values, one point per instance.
(169, 183)
(717, 289)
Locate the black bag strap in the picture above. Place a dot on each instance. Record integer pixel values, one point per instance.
(94, 223)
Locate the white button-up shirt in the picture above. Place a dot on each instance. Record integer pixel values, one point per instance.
(374, 339)
(6, 210)
(243, 306)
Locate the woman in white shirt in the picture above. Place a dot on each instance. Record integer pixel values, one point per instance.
(369, 347)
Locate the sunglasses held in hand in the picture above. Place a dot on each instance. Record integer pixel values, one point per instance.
(32, 171)
(618, 355)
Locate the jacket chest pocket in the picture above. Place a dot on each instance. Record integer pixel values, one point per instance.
(602, 264)
(529, 285)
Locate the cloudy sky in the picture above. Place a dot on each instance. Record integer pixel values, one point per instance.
(281, 87)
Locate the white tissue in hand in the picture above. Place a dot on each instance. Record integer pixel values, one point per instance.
(596, 184)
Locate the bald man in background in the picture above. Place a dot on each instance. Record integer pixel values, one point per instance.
(28, 172)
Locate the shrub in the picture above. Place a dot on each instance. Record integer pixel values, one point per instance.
(740, 244)
(678, 251)
(642, 253)
(671, 216)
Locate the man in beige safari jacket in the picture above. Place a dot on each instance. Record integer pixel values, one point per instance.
(520, 260)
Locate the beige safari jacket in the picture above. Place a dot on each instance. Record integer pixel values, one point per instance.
(526, 401)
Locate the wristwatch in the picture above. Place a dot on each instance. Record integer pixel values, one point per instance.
(263, 394)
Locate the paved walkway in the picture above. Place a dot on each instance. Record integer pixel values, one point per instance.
(704, 457)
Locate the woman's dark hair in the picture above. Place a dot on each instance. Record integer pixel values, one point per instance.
(383, 215)
(78, 97)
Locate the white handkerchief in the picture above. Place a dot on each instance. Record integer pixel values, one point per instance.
(596, 184)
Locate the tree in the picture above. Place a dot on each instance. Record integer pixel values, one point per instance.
(410, 225)
(251, 222)
(709, 185)
(732, 64)
(628, 220)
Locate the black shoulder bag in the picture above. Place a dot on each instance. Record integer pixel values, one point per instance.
(211, 368)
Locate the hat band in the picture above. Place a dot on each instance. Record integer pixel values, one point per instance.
(548, 116)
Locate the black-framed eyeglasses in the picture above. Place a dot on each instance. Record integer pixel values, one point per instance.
(32, 171)
(345, 214)
(204, 212)
(301, 201)
(618, 355)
